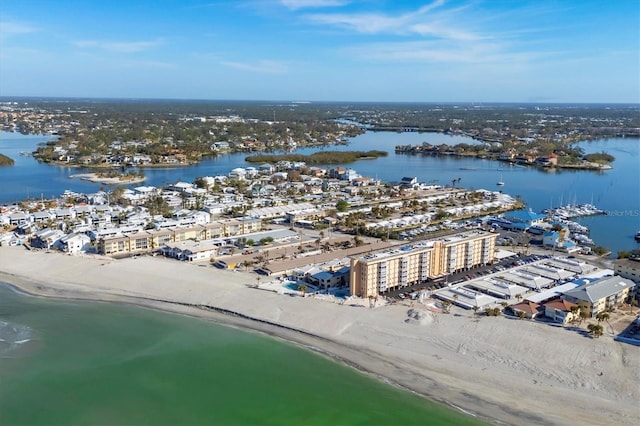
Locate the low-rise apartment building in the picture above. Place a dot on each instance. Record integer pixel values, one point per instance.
(628, 268)
(601, 295)
(118, 244)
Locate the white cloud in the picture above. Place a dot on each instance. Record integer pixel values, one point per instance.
(301, 4)
(419, 22)
(11, 27)
(445, 52)
(265, 66)
(118, 46)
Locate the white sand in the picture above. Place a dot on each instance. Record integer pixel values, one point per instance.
(509, 371)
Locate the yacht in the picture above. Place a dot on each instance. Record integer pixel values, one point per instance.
(500, 182)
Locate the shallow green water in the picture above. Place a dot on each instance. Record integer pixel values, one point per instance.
(91, 363)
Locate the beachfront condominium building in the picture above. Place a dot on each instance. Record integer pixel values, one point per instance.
(601, 295)
(144, 241)
(397, 267)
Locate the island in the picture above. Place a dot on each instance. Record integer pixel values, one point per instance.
(111, 178)
(323, 157)
(6, 161)
(113, 134)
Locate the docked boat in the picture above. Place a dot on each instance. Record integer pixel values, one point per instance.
(570, 211)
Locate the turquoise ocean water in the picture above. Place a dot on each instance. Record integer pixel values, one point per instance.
(86, 363)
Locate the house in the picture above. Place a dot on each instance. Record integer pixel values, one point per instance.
(65, 214)
(180, 186)
(559, 310)
(266, 169)
(238, 174)
(530, 309)
(42, 216)
(409, 182)
(19, 218)
(220, 146)
(547, 161)
(46, 238)
(74, 243)
(600, 295)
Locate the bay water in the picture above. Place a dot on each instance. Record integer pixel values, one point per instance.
(617, 191)
(78, 363)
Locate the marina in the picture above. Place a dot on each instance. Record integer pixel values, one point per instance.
(571, 211)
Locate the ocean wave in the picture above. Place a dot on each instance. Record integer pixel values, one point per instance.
(13, 336)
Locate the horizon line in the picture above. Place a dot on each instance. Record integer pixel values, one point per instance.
(306, 102)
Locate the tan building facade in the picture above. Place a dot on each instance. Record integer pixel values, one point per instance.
(628, 268)
(378, 272)
(149, 240)
(601, 295)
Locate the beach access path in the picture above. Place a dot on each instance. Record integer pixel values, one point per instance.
(504, 370)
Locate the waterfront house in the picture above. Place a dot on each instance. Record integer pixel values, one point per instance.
(74, 243)
(529, 309)
(220, 146)
(559, 310)
(46, 238)
(409, 182)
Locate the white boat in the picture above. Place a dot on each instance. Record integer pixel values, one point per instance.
(500, 182)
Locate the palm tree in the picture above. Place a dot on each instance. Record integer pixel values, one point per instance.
(446, 304)
(595, 330)
(604, 316)
(303, 288)
(475, 310)
(521, 314)
(258, 281)
(583, 316)
(633, 302)
(574, 311)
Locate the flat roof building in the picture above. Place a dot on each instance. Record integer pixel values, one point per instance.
(399, 267)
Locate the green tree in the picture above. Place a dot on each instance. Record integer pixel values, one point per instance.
(342, 206)
(595, 330)
(303, 288)
(475, 310)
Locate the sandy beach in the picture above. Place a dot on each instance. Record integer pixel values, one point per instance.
(503, 370)
(95, 178)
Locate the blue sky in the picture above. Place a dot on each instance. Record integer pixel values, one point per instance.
(323, 50)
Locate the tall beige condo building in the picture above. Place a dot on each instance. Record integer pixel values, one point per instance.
(415, 263)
